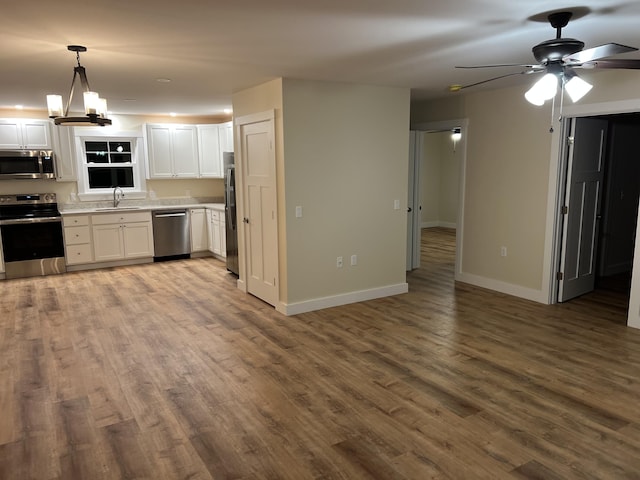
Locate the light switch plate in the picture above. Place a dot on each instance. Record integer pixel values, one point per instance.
(298, 212)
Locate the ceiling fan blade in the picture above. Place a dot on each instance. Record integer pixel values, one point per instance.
(595, 53)
(501, 65)
(620, 63)
(455, 88)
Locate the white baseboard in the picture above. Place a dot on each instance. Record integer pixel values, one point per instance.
(503, 287)
(343, 299)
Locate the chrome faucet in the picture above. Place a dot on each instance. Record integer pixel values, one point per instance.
(116, 197)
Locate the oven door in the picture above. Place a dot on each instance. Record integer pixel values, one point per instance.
(32, 247)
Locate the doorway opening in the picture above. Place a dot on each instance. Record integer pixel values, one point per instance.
(435, 204)
(606, 249)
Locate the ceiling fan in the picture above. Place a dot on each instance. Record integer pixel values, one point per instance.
(558, 58)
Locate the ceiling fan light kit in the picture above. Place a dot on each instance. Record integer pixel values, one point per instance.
(95, 107)
(559, 57)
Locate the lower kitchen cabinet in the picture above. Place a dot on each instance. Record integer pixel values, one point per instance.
(217, 235)
(77, 239)
(199, 242)
(122, 236)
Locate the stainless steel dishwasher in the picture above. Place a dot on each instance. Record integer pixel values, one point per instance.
(171, 234)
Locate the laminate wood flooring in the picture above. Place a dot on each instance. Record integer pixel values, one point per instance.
(167, 371)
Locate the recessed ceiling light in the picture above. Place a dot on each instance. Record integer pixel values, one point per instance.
(173, 114)
(228, 110)
(163, 80)
(19, 107)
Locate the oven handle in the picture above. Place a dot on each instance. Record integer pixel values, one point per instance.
(20, 221)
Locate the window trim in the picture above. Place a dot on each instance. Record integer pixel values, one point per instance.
(87, 194)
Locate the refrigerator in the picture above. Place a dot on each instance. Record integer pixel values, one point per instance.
(231, 220)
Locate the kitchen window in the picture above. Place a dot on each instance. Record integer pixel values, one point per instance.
(109, 162)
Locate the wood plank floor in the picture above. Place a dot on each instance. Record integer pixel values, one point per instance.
(167, 371)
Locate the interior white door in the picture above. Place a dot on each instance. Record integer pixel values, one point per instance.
(413, 199)
(260, 219)
(585, 175)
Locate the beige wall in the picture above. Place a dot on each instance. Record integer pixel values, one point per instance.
(440, 178)
(346, 150)
(341, 154)
(511, 162)
(163, 188)
(259, 99)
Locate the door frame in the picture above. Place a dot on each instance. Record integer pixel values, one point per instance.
(238, 123)
(557, 179)
(441, 126)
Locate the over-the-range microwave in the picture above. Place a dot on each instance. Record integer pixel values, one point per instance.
(27, 164)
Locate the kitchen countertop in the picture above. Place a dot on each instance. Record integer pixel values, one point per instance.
(75, 210)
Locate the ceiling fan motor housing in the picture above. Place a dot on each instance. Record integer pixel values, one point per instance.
(556, 49)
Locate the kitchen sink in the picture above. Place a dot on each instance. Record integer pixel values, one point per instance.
(115, 209)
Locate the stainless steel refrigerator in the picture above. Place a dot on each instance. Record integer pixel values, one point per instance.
(231, 219)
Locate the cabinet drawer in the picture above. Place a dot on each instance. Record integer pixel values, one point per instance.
(111, 218)
(77, 254)
(75, 220)
(76, 235)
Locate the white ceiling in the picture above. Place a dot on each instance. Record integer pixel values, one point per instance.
(211, 48)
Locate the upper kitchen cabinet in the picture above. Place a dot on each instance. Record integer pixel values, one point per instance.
(25, 134)
(213, 139)
(225, 131)
(172, 151)
(64, 148)
(209, 151)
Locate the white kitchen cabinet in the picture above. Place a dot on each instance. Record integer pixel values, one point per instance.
(77, 239)
(120, 236)
(217, 235)
(198, 219)
(25, 134)
(209, 154)
(172, 151)
(64, 149)
(225, 133)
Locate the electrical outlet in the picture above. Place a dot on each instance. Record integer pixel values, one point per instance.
(298, 212)
(354, 260)
(339, 262)
(503, 251)
(396, 204)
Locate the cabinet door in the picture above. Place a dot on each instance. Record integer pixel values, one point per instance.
(36, 134)
(209, 151)
(138, 240)
(198, 230)
(107, 243)
(185, 151)
(10, 134)
(217, 239)
(64, 149)
(209, 231)
(225, 132)
(159, 151)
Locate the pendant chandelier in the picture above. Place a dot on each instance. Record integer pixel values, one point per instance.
(95, 107)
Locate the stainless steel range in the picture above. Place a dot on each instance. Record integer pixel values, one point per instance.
(31, 230)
